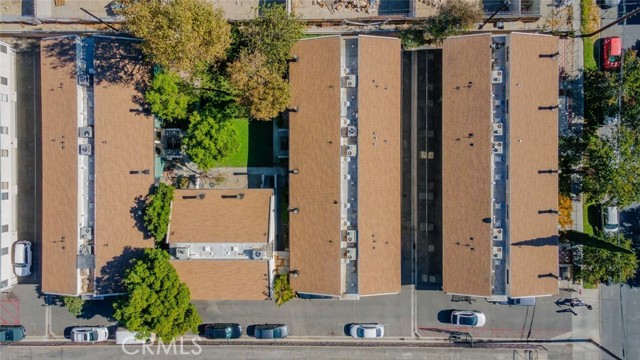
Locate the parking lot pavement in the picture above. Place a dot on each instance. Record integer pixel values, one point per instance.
(95, 313)
(24, 305)
(317, 317)
(513, 322)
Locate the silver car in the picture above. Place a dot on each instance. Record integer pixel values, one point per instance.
(271, 331)
(89, 334)
(22, 258)
(366, 331)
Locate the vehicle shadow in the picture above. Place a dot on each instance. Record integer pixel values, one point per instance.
(347, 328)
(444, 316)
(251, 330)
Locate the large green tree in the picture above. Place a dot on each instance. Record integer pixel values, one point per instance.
(169, 96)
(631, 90)
(158, 211)
(611, 170)
(156, 300)
(600, 96)
(211, 137)
(178, 34)
(272, 33)
(600, 264)
(262, 90)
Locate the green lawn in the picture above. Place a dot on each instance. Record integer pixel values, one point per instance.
(590, 21)
(590, 217)
(589, 57)
(256, 145)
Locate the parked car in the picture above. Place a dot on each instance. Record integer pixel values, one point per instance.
(22, 258)
(271, 331)
(124, 336)
(610, 223)
(467, 318)
(611, 53)
(89, 334)
(9, 333)
(525, 301)
(366, 331)
(223, 331)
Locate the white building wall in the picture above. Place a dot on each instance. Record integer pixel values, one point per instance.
(8, 147)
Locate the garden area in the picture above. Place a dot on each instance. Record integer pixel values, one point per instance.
(255, 145)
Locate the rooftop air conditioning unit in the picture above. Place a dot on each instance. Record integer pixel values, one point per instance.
(497, 234)
(182, 253)
(351, 236)
(86, 233)
(85, 132)
(260, 255)
(351, 254)
(83, 79)
(350, 81)
(497, 129)
(352, 150)
(497, 147)
(497, 252)
(85, 149)
(496, 77)
(352, 131)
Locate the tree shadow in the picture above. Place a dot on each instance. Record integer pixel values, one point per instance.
(137, 213)
(103, 308)
(112, 274)
(545, 241)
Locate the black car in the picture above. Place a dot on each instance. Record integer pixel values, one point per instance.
(223, 331)
(9, 333)
(271, 331)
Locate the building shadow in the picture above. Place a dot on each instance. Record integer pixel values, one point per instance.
(545, 241)
(260, 144)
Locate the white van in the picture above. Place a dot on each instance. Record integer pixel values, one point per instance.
(124, 336)
(610, 223)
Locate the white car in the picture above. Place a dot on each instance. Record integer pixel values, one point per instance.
(366, 331)
(89, 334)
(467, 318)
(22, 258)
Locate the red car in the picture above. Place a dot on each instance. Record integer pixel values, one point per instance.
(611, 53)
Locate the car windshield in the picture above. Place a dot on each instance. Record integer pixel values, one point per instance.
(360, 332)
(93, 336)
(471, 320)
(6, 335)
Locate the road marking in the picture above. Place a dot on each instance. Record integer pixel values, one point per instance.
(9, 312)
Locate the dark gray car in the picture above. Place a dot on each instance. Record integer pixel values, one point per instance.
(223, 331)
(9, 333)
(271, 331)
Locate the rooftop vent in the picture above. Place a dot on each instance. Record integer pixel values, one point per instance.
(496, 77)
(352, 131)
(350, 81)
(497, 252)
(351, 254)
(83, 79)
(497, 147)
(497, 234)
(497, 129)
(85, 149)
(260, 255)
(85, 132)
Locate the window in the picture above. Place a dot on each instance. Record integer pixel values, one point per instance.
(5, 228)
(4, 80)
(4, 251)
(4, 153)
(5, 196)
(5, 185)
(4, 97)
(3, 49)
(4, 130)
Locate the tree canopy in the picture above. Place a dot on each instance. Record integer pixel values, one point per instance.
(178, 34)
(612, 168)
(262, 90)
(282, 290)
(630, 89)
(272, 33)
(453, 18)
(158, 211)
(210, 137)
(156, 300)
(169, 96)
(600, 264)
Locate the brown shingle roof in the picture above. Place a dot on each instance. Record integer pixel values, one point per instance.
(533, 147)
(59, 166)
(224, 279)
(123, 141)
(378, 165)
(466, 169)
(315, 152)
(314, 149)
(216, 219)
